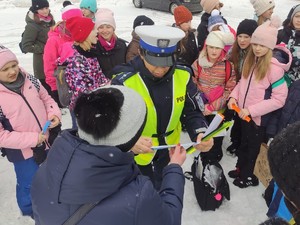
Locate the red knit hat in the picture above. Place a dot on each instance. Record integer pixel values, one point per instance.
(80, 28)
(182, 15)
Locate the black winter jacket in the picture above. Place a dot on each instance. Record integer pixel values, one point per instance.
(190, 54)
(76, 173)
(109, 59)
(291, 38)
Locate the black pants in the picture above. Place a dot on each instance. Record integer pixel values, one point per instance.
(45, 85)
(235, 134)
(154, 170)
(252, 137)
(215, 154)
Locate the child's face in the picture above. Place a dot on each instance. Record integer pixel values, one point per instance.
(93, 36)
(259, 50)
(213, 53)
(9, 72)
(267, 14)
(44, 11)
(296, 21)
(87, 13)
(243, 40)
(185, 26)
(106, 31)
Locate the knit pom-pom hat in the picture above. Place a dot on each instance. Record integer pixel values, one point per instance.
(111, 115)
(260, 6)
(182, 15)
(80, 28)
(266, 34)
(6, 56)
(209, 5)
(219, 39)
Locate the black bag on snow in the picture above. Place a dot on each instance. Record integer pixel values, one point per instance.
(210, 184)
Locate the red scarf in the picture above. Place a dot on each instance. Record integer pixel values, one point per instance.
(107, 45)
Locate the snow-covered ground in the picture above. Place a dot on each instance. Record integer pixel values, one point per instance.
(246, 206)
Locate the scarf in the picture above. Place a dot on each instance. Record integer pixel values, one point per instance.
(46, 19)
(106, 44)
(17, 84)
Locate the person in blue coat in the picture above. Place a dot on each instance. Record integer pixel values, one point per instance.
(95, 165)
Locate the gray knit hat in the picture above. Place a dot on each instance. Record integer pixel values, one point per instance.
(111, 115)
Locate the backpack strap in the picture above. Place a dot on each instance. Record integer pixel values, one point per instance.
(34, 81)
(199, 68)
(228, 70)
(1, 113)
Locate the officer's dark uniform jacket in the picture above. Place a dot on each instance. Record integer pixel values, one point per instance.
(161, 92)
(76, 173)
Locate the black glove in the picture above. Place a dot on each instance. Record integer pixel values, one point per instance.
(39, 153)
(53, 132)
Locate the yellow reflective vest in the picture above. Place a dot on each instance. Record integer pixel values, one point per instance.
(172, 133)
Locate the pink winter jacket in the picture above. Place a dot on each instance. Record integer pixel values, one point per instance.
(25, 127)
(52, 51)
(255, 100)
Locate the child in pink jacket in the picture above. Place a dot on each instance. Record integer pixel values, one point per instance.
(261, 90)
(58, 36)
(25, 106)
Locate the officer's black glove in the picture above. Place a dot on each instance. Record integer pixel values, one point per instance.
(39, 153)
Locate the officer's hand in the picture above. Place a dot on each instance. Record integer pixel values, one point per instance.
(204, 146)
(177, 155)
(143, 145)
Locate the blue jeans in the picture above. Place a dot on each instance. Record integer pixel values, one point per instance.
(25, 171)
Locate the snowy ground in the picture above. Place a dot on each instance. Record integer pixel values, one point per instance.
(246, 206)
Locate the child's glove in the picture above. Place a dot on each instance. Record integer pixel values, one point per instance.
(39, 153)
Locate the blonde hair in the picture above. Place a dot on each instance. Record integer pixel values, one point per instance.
(261, 20)
(262, 65)
(86, 45)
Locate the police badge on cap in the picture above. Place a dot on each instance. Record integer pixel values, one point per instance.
(159, 43)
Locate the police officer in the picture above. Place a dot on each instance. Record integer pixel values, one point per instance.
(170, 96)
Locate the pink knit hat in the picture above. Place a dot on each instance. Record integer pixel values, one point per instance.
(266, 34)
(209, 5)
(6, 56)
(105, 16)
(70, 11)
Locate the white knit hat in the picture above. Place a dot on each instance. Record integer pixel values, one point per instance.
(219, 39)
(260, 6)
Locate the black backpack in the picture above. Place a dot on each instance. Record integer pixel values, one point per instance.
(20, 44)
(210, 184)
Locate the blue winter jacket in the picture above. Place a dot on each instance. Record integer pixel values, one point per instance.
(76, 173)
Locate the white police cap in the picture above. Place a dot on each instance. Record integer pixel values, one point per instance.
(159, 43)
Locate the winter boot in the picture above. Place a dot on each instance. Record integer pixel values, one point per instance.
(231, 150)
(234, 173)
(244, 183)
